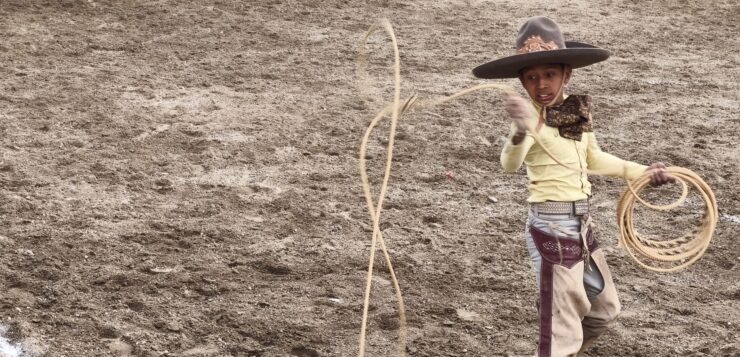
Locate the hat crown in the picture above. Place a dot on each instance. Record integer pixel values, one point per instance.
(539, 42)
(539, 34)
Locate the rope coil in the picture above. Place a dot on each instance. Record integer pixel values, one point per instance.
(684, 251)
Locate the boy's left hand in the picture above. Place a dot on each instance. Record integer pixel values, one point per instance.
(658, 174)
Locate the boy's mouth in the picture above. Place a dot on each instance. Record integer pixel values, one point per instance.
(544, 98)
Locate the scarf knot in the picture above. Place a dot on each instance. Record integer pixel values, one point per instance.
(572, 117)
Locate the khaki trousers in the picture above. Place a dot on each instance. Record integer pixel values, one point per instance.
(577, 300)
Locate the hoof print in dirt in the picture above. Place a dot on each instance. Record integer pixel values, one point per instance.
(163, 186)
(109, 332)
(272, 268)
(135, 305)
(388, 322)
(303, 352)
(433, 221)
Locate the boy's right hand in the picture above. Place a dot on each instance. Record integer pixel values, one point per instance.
(520, 110)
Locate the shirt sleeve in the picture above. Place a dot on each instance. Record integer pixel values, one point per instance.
(512, 156)
(608, 164)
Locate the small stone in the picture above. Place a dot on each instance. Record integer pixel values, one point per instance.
(336, 301)
(27, 252)
(492, 199)
(5, 240)
(730, 218)
(466, 315)
(208, 350)
(174, 326)
(160, 270)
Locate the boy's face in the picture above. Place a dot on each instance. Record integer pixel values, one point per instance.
(543, 82)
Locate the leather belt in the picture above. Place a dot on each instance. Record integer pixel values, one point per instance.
(576, 208)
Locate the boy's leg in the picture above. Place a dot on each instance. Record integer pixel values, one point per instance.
(602, 293)
(562, 300)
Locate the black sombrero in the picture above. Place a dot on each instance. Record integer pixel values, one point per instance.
(540, 42)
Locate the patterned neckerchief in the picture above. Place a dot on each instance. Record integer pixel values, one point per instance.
(572, 117)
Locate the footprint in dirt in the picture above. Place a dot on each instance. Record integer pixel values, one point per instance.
(302, 351)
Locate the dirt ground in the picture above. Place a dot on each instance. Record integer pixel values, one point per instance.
(180, 178)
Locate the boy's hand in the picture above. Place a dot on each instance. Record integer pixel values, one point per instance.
(658, 174)
(520, 110)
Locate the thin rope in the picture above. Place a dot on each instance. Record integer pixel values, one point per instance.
(682, 251)
(685, 250)
(375, 213)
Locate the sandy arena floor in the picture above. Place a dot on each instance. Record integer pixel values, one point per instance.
(180, 178)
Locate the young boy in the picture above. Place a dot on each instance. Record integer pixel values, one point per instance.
(577, 297)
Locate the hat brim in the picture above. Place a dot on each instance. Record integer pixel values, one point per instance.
(574, 54)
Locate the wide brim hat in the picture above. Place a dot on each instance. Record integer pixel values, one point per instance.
(540, 42)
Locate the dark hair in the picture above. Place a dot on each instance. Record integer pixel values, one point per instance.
(563, 66)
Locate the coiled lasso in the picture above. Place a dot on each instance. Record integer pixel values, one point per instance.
(681, 251)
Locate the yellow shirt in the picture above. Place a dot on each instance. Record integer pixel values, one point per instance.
(549, 181)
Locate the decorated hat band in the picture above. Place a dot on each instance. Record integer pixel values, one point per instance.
(539, 42)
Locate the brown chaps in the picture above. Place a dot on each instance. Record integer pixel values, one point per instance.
(568, 320)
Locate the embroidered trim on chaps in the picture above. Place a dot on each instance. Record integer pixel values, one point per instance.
(571, 249)
(569, 254)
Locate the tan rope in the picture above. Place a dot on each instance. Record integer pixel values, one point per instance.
(684, 250)
(375, 213)
(681, 251)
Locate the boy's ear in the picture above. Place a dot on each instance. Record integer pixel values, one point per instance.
(568, 73)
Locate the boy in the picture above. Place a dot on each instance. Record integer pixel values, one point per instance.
(577, 297)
